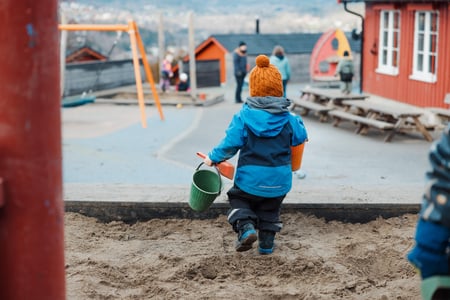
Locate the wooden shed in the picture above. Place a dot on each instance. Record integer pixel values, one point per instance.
(210, 59)
(406, 51)
(84, 54)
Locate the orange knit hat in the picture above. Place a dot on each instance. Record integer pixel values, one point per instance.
(265, 79)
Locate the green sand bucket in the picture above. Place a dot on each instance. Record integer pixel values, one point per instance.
(205, 188)
(436, 287)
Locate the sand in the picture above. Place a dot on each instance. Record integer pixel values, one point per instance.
(195, 259)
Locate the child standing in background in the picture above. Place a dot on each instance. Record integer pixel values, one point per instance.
(166, 72)
(263, 131)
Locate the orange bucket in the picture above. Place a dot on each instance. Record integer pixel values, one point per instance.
(296, 156)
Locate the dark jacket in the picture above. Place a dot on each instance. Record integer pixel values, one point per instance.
(345, 69)
(240, 63)
(435, 204)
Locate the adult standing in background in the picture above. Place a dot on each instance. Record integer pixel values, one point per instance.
(240, 69)
(279, 59)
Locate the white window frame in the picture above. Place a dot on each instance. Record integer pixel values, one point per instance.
(424, 74)
(386, 52)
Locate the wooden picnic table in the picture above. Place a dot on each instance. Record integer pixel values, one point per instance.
(399, 116)
(442, 113)
(329, 96)
(322, 100)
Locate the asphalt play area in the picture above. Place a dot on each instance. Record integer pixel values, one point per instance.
(108, 157)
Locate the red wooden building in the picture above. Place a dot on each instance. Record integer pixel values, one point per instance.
(211, 49)
(84, 54)
(407, 51)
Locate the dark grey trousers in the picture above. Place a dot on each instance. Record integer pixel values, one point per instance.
(263, 212)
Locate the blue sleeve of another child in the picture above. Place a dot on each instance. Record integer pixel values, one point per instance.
(436, 199)
(433, 229)
(429, 255)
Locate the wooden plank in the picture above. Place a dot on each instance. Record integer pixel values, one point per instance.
(441, 112)
(306, 105)
(384, 109)
(333, 94)
(311, 105)
(362, 120)
(132, 212)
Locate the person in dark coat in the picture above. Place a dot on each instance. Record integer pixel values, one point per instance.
(240, 69)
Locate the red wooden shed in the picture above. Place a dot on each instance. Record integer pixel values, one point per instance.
(211, 49)
(406, 51)
(84, 54)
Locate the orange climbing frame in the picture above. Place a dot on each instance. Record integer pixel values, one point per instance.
(136, 46)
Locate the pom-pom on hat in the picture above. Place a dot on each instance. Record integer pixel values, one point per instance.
(265, 79)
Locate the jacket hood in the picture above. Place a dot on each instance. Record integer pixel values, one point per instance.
(266, 116)
(278, 57)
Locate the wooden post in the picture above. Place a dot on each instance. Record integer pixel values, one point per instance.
(161, 45)
(32, 217)
(148, 71)
(137, 72)
(192, 65)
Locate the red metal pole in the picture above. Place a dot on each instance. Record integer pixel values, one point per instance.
(32, 216)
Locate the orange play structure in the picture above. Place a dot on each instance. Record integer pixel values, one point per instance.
(136, 43)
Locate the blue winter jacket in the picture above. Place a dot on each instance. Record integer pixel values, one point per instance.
(282, 65)
(263, 130)
(435, 202)
(430, 254)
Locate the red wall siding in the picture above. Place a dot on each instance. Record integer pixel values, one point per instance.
(400, 87)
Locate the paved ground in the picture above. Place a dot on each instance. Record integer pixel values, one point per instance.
(108, 156)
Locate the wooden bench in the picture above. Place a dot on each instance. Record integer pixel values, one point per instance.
(440, 112)
(308, 106)
(363, 122)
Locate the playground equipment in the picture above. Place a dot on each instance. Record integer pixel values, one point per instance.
(326, 54)
(136, 44)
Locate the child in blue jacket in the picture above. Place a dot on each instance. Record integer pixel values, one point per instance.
(430, 254)
(263, 131)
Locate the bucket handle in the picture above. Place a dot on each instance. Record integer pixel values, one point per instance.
(218, 173)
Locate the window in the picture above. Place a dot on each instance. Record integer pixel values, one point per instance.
(389, 46)
(425, 46)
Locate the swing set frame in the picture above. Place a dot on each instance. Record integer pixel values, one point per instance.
(136, 45)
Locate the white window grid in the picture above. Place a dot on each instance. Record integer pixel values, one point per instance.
(425, 55)
(389, 42)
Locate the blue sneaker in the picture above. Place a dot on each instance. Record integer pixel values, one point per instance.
(246, 237)
(266, 241)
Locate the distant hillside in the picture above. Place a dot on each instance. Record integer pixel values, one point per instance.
(210, 17)
(260, 7)
(218, 16)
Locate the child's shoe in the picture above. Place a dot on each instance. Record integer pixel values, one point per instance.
(246, 237)
(266, 241)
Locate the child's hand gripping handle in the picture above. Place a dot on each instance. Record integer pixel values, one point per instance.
(225, 168)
